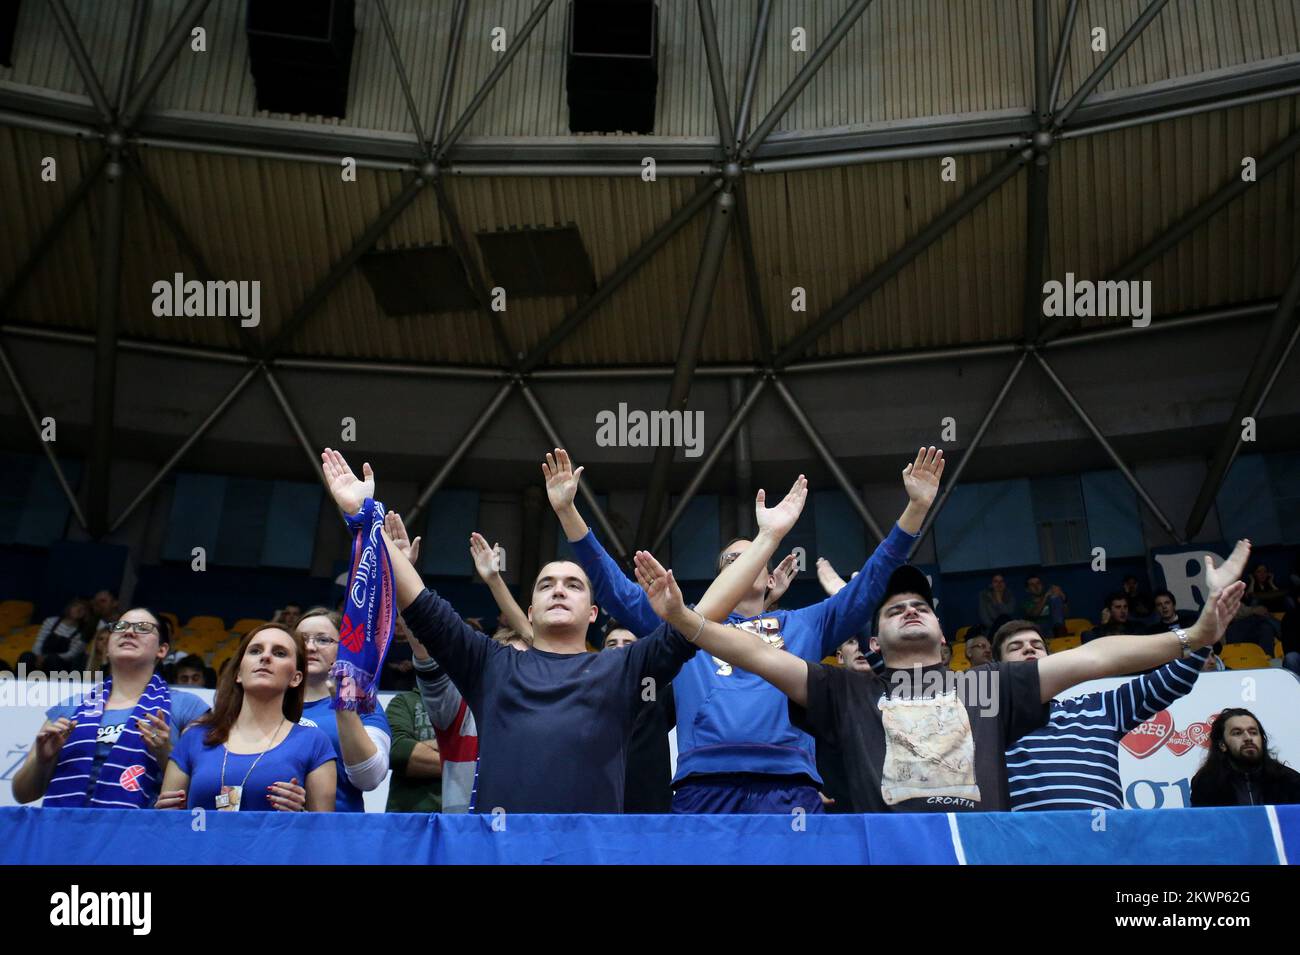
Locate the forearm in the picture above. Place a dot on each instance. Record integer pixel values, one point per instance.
(405, 576)
(321, 787)
(787, 672)
(355, 743)
(32, 779)
(615, 593)
(575, 528)
(1106, 656)
(511, 613)
(913, 517)
(733, 584)
(424, 762)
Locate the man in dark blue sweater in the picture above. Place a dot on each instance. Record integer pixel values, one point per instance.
(738, 751)
(553, 723)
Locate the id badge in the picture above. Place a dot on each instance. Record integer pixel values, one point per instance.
(228, 799)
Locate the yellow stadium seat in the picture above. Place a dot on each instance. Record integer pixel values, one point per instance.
(1277, 648)
(961, 633)
(15, 612)
(1074, 626)
(1278, 614)
(245, 624)
(955, 664)
(1057, 644)
(1243, 656)
(206, 623)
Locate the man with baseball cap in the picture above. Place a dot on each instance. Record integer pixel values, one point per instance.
(919, 737)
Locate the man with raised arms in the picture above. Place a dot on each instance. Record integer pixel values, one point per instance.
(738, 750)
(553, 723)
(918, 737)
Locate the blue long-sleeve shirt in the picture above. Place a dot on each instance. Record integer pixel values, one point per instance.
(729, 720)
(1073, 761)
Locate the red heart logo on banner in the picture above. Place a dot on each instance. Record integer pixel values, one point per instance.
(1145, 738)
(1179, 743)
(1199, 734)
(353, 637)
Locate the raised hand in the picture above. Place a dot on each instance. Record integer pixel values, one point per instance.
(157, 735)
(561, 479)
(52, 736)
(781, 578)
(348, 491)
(659, 586)
(401, 540)
(921, 477)
(831, 582)
(486, 562)
(1218, 578)
(779, 519)
(1218, 612)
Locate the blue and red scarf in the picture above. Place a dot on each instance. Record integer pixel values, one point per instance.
(368, 612)
(130, 777)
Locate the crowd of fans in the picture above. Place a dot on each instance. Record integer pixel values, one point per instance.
(1269, 614)
(528, 719)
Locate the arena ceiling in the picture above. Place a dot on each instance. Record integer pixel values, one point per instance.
(819, 170)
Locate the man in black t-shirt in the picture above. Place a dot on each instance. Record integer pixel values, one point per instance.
(919, 737)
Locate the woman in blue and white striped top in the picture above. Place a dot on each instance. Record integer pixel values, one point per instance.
(108, 748)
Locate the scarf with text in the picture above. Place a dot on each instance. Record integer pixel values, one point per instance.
(130, 777)
(369, 613)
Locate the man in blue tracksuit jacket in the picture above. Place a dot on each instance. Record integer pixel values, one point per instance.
(737, 749)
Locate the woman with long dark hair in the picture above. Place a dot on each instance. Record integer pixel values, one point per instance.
(1239, 769)
(109, 749)
(249, 753)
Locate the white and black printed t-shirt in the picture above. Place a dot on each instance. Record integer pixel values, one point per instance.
(924, 739)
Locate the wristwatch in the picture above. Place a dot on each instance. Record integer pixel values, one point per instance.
(1183, 639)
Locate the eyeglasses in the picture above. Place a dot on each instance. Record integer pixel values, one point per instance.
(319, 641)
(139, 626)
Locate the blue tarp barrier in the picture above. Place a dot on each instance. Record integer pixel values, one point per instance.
(126, 837)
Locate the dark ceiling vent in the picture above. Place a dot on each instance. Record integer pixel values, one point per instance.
(538, 261)
(300, 53)
(612, 68)
(418, 281)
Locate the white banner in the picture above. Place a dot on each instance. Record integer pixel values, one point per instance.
(1157, 760)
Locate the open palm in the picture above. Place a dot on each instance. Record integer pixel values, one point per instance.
(349, 491)
(659, 586)
(921, 477)
(779, 519)
(1218, 578)
(561, 479)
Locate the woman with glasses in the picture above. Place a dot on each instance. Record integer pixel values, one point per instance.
(250, 753)
(361, 743)
(109, 748)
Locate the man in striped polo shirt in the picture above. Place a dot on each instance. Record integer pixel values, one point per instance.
(1073, 761)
